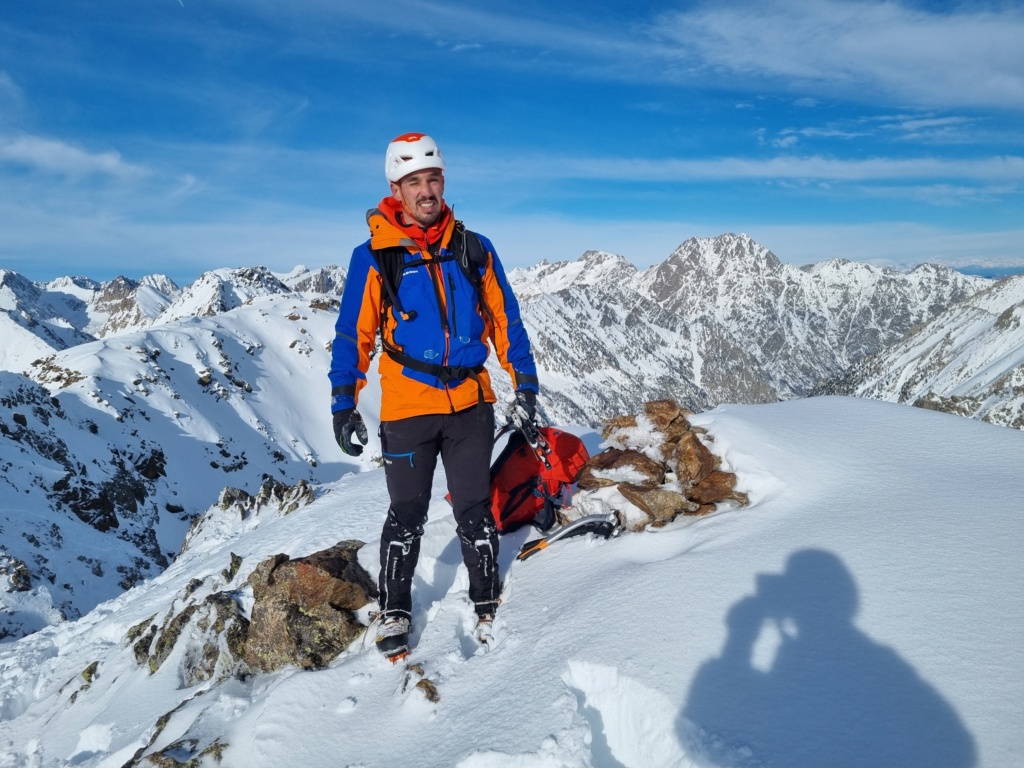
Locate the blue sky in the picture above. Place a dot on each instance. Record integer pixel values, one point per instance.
(177, 136)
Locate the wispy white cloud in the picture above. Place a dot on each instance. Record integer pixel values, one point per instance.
(40, 241)
(900, 244)
(59, 157)
(917, 129)
(43, 242)
(993, 169)
(947, 195)
(969, 56)
(11, 101)
(9, 90)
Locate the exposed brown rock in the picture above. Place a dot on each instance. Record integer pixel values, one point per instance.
(660, 504)
(638, 478)
(617, 422)
(303, 609)
(661, 413)
(717, 486)
(601, 467)
(415, 678)
(588, 481)
(704, 509)
(673, 433)
(693, 461)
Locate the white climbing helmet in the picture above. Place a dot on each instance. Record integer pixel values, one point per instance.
(409, 153)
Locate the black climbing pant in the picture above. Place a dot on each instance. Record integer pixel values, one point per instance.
(411, 447)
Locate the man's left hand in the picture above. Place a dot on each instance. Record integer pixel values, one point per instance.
(523, 410)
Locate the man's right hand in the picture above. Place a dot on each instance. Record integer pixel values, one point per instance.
(346, 423)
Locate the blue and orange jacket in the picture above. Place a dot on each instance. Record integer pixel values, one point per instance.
(442, 325)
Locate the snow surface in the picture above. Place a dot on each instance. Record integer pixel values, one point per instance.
(864, 610)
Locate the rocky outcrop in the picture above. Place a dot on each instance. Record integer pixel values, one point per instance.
(303, 613)
(656, 467)
(304, 609)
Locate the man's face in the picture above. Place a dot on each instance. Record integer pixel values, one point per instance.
(420, 194)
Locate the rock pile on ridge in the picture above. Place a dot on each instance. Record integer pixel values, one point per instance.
(656, 467)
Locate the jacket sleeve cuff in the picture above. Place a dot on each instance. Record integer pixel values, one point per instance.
(527, 381)
(343, 397)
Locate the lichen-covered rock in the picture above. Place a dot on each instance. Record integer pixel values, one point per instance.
(141, 637)
(231, 571)
(303, 610)
(167, 636)
(613, 466)
(693, 461)
(217, 640)
(661, 504)
(615, 423)
(718, 486)
(662, 413)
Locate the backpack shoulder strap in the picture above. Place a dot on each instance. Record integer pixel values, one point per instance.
(469, 252)
(391, 264)
(472, 257)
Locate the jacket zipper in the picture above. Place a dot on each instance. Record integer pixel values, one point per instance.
(451, 304)
(442, 307)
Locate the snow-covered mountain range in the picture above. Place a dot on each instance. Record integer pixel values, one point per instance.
(110, 447)
(125, 407)
(721, 320)
(968, 360)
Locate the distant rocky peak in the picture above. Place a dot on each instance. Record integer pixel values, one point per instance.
(598, 268)
(329, 279)
(16, 287)
(73, 284)
(259, 278)
(602, 257)
(118, 289)
(700, 261)
(725, 252)
(602, 265)
(161, 283)
(222, 290)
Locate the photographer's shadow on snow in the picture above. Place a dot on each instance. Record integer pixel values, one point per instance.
(799, 685)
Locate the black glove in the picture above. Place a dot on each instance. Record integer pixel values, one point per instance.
(347, 421)
(523, 410)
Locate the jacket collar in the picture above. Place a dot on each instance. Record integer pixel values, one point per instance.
(389, 228)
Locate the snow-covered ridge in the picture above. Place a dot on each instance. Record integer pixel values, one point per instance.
(779, 634)
(968, 360)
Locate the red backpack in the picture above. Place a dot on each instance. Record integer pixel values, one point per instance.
(529, 483)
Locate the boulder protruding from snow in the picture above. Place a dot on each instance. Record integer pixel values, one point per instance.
(304, 609)
(658, 467)
(303, 612)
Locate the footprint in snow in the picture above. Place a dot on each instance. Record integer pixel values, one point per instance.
(346, 706)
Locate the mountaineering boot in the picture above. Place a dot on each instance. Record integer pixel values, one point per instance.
(484, 632)
(393, 637)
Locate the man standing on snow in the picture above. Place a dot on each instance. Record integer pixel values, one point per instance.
(436, 293)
